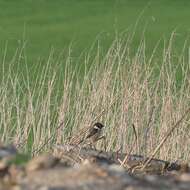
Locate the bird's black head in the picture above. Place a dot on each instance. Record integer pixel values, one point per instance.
(99, 125)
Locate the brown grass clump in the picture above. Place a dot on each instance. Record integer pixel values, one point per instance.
(120, 89)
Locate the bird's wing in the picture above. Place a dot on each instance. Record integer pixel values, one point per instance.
(80, 136)
(91, 132)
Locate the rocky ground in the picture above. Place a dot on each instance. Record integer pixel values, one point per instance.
(71, 168)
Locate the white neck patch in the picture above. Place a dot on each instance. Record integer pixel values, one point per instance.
(95, 127)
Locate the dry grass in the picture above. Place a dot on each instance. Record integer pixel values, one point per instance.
(117, 89)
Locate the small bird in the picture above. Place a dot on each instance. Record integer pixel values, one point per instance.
(90, 136)
(94, 133)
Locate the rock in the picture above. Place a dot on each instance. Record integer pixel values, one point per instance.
(16, 174)
(3, 167)
(92, 170)
(41, 162)
(7, 151)
(184, 177)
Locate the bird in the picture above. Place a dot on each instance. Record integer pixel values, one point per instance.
(90, 136)
(94, 133)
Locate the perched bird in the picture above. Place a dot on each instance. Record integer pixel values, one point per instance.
(90, 136)
(94, 133)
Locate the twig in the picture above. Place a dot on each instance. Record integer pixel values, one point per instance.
(135, 132)
(135, 142)
(165, 138)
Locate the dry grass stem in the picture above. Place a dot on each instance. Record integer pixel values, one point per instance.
(46, 102)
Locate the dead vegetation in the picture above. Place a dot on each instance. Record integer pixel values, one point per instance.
(125, 91)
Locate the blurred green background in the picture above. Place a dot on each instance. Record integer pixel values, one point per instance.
(43, 24)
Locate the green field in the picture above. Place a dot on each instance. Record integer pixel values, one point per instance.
(47, 24)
